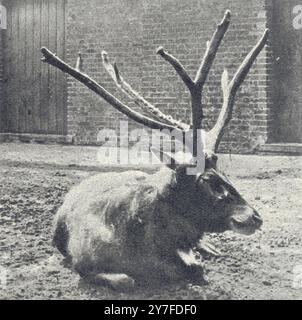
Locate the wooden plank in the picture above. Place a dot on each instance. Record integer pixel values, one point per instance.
(61, 114)
(11, 69)
(36, 125)
(7, 59)
(16, 62)
(13, 107)
(44, 90)
(22, 66)
(29, 83)
(52, 36)
(8, 70)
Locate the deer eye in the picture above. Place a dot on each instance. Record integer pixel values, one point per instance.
(220, 191)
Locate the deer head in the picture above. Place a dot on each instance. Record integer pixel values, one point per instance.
(208, 200)
(214, 190)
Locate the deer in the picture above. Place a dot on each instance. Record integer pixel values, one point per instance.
(134, 228)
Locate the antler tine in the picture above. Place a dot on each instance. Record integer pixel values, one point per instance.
(211, 50)
(179, 68)
(195, 87)
(79, 63)
(53, 60)
(230, 89)
(114, 73)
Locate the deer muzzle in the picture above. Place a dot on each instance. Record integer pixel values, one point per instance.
(246, 222)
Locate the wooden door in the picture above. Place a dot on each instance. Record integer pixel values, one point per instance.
(287, 65)
(34, 92)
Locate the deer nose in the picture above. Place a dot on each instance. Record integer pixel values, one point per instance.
(257, 219)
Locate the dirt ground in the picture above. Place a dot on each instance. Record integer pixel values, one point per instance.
(35, 178)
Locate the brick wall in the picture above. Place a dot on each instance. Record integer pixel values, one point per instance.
(131, 30)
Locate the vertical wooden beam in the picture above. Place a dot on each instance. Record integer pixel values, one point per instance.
(36, 117)
(52, 36)
(8, 68)
(29, 83)
(22, 67)
(44, 95)
(61, 111)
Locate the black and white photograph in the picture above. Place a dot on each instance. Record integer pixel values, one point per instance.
(150, 150)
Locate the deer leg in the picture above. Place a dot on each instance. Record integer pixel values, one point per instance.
(192, 266)
(116, 281)
(206, 248)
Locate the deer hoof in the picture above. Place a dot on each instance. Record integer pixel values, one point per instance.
(116, 281)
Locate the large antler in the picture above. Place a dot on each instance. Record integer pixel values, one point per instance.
(158, 119)
(76, 73)
(114, 73)
(195, 86)
(229, 90)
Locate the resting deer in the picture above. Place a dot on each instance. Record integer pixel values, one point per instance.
(134, 226)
